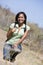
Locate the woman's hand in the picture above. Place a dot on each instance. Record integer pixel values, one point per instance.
(14, 29)
(14, 46)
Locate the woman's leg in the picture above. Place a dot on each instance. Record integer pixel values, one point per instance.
(16, 53)
(6, 51)
(14, 56)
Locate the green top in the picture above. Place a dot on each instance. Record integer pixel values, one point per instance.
(17, 35)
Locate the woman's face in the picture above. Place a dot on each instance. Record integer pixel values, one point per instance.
(21, 18)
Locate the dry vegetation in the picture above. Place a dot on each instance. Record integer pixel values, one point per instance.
(6, 18)
(34, 41)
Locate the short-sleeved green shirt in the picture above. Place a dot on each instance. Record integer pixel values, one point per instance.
(17, 35)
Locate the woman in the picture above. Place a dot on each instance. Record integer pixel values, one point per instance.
(17, 32)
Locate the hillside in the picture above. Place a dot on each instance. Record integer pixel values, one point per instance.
(27, 57)
(33, 43)
(6, 17)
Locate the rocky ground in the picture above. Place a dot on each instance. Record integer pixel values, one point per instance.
(27, 57)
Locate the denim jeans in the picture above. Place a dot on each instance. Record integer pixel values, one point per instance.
(7, 48)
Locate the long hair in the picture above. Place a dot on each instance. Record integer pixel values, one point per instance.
(16, 18)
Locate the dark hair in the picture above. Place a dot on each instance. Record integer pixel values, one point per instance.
(16, 18)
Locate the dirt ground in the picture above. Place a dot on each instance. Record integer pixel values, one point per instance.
(26, 57)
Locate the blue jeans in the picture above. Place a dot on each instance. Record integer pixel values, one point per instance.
(7, 48)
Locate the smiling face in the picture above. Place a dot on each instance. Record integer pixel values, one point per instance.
(21, 18)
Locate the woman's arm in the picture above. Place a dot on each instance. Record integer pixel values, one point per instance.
(10, 31)
(21, 40)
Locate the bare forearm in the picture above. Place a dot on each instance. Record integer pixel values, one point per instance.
(21, 40)
(9, 33)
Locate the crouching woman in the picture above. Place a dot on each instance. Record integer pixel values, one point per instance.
(17, 32)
